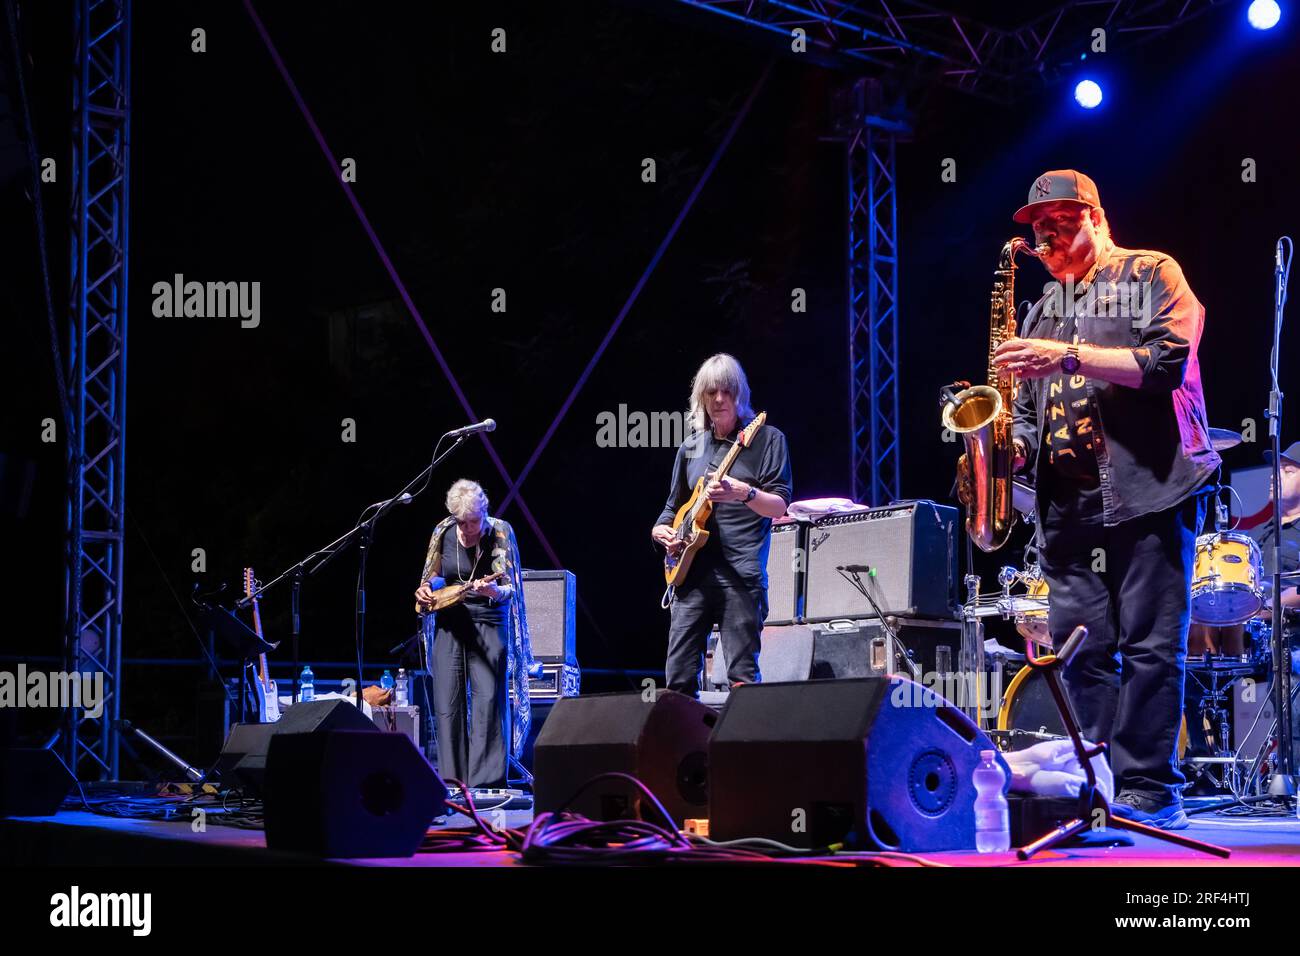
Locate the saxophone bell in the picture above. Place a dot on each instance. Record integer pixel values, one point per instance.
(982, 415)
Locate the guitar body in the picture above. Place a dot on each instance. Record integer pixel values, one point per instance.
(676, 568)
(264, 696)
(272, 697)
(688, 523)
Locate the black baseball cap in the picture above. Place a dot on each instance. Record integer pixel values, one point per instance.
(1056, 185)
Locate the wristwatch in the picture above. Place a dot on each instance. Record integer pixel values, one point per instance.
(753, 493)
(1070, 360)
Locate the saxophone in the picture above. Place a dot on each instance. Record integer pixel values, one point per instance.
(982, 415)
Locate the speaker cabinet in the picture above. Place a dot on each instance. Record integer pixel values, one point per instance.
(874, 763)
(841, 649)
(785, 571)
(550, 598)
(243, 758)
(663, 743)
(33, 782)
(349, 793)
(911, 548)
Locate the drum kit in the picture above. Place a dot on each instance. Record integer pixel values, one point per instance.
(1229, 640)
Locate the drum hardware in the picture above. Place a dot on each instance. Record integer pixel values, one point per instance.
(1216, 729)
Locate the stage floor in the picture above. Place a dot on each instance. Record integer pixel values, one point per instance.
(81, 838)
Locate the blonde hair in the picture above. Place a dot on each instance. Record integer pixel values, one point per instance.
(719, 371)
(466, 498)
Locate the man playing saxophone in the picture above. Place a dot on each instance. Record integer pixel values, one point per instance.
(1110, 418)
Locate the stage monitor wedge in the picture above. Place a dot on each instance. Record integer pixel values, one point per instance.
(349, 793)
(874, 763)
(662, 742)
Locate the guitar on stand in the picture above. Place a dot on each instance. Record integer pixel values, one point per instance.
(265, 695)
(688, 524)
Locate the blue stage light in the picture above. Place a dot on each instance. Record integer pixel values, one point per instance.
(1264, 14)
(1088, 94)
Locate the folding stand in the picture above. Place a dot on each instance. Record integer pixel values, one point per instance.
(1091, 799)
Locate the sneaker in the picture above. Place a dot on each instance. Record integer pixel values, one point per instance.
(1164, 814)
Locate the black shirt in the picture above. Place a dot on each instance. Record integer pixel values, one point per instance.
(1070, 473)
(1263, 535)
(736, 553)
(460, 565)
(1151, 442)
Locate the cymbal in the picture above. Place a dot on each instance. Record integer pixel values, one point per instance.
(1222, 439)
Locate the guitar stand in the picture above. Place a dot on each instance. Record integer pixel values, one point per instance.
(1091, 799)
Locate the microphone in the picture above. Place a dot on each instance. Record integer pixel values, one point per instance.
(855, 568)
(405, 498)
(486, 425)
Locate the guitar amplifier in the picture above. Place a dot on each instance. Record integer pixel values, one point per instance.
(557, 680)
(911, 547)
(785, 571)
(849, 649)
(550, 598)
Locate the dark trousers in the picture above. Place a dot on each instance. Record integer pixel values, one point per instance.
(1130, 585)
(737, 611)
(471, 739)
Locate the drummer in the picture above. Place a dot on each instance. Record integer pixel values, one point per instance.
(1230, 640)
(1289, 466)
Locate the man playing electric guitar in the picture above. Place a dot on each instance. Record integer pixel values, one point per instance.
(726, 583)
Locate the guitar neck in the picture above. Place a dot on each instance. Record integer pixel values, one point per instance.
(262, 674)
(728, 461)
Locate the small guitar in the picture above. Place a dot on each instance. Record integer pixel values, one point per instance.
(265, 693)
(455, 593)
(688, 525)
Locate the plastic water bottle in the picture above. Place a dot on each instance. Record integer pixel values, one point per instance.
(306, 685)
(386, 682)
(992, 821)
(402, 691)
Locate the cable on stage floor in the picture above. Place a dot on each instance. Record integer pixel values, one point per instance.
(174, 805)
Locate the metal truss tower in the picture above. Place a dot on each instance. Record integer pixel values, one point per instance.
(872, 271)
(96, 449)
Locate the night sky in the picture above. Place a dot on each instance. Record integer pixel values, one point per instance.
(522, 171)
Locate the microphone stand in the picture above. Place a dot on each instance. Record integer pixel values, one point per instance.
(1282, 784)
(363, 535)
(852, 576)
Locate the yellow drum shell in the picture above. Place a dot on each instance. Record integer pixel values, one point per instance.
(1227, 579)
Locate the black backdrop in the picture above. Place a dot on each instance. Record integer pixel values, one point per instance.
(522, 171)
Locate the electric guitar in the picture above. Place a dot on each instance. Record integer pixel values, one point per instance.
(265, 693)
(455, 593)
(688, 525)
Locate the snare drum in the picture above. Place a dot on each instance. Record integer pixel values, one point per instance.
(1227, 579)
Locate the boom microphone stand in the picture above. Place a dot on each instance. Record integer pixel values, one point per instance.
(362, 534)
